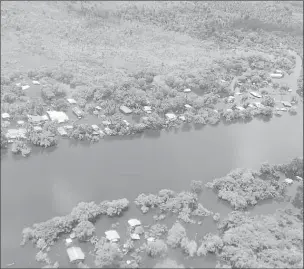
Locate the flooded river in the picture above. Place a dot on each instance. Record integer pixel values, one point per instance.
(51, 182)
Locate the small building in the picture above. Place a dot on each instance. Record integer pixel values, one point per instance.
(5, 116)
(251, 105)
(256, 94)
(68, 242)
(134, 222)
(279, 71)
(151, 239)
(35, 82)
(58, 116)
(238, 93)
(284, 109)
(286, 104)
(135, 236)
(71, 101)
(170, 116)
(229, 110)
(98, 108)
(187, 106)
(36, 120)
(95, 127)
(25, 87)
(112, 236)
(276, 75)
(62, 131)
(37, 129)
(258, 104)
(106, 122)
(16, 133)
(101, 133)
(240, 108)
(299, 178)
(147, 109)
(289, 90)
(75, 254)
(73, 235)
(230, 99)
(78, 112)
(68, 127)
(288, 181)
(20, 122)
(125, 110)
(187, 90)
(183, 118)
(126, 122)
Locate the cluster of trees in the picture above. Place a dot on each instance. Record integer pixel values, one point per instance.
(21, 147)
(45, 138)
(184, 204)
(242, 188)
(80, 219)
(261, 241)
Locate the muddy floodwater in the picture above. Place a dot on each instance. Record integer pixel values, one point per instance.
(51, 182)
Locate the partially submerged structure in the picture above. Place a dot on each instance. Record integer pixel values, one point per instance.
(16, 133)
(62, 131)
(5, 116)
(95, 127)
(286, 103)
(112, 236)
(256, 94)
(37, 120)
(148, 109)
(134, 222)
(187, 90)
(187, 106)
(288, 181)
(78, 112)
(274, 75)
(58, 116)
(71, 101)
(170, 116)
(75, 254)
(125, 110)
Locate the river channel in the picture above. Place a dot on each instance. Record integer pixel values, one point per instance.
(51, 182)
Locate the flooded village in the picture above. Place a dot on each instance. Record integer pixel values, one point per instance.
(151, 134)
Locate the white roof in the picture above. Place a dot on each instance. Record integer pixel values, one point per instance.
(229, 110)
(126, 122)
(171, 116)
(182, 118)
(75, 253)
(20, 122)
(112, 235)
(35, 82)
(68, 126)
(5, 115)
(25, 87)
(147, 108)
(98, 107)
(288, 180)
(240, 108)
(94, 126)
(134, 222)
(72, 235)
(37, 128)
(71, 101)
(69, 240)
(290, 90)
(61, 131)
(151, 239)
(135, 236)
(44, 117)
(299, 178)
(187, 106)
(58, 115)
(187, 90)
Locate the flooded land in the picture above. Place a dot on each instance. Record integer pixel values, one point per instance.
(151, 134)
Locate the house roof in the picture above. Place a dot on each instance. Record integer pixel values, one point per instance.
(5, 115)
(135, 236)
(134, 222)
(75, 253)
(125, 109)
(112, 235)
(71, 101)
(58, 115)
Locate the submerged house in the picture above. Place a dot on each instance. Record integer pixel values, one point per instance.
(170, 116)
(78, 112)
(37, 120)
(75, 254)
(256, 94)
(58, 116)
(5, 116)
(287, 104)
(62, 131)
(134, 222)
(112, 236)
(71, 101)
(187, 90)
(95, 127)
(125, 110)
(16, 133)
(280, 75)
(187, 106)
